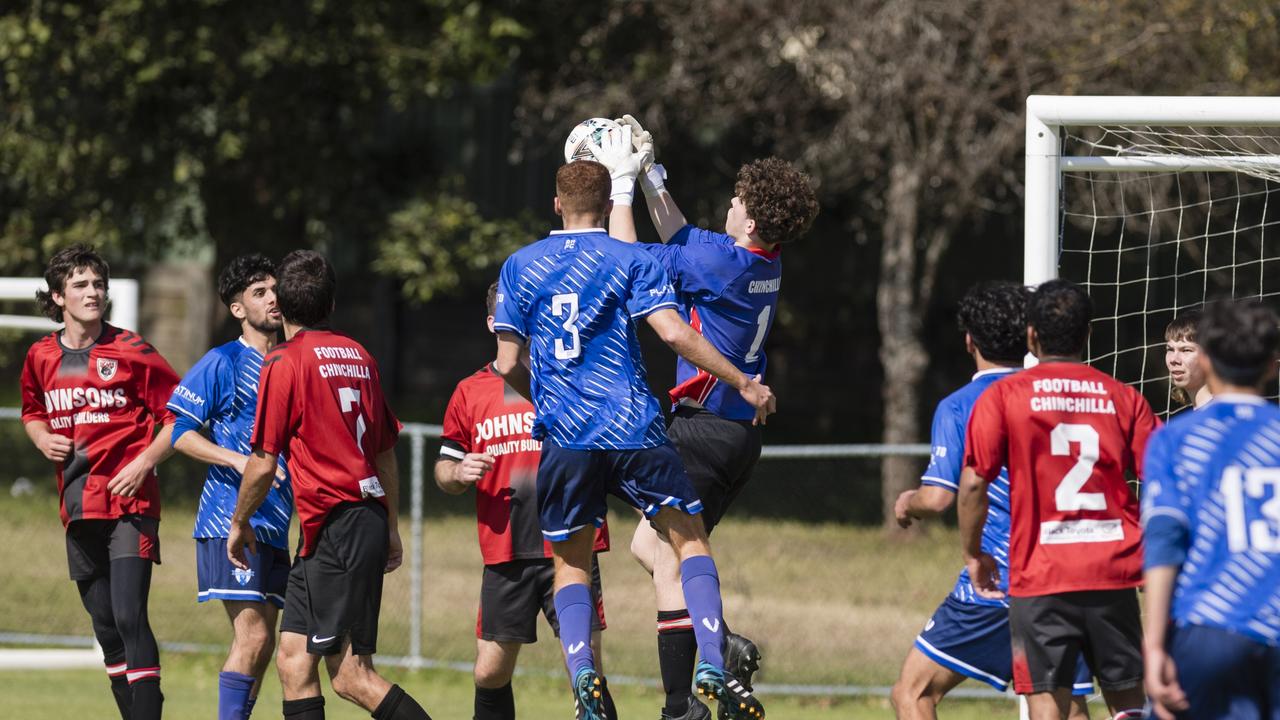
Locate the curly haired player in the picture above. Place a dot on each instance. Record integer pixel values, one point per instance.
(727, 285)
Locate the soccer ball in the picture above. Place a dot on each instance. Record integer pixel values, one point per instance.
(576, 147)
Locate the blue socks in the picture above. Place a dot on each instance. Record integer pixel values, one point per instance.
(701, 585)
(574, 610)
(233, 695)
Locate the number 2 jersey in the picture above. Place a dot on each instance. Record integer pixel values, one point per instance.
(486, 416)
(729, 294)
(1068, 434)
(221, 390)
(1211, 504)
(109, 399)
(320, 400)
(575, 297)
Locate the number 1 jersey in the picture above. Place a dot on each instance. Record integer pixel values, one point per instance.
(1068, 434)
(320, 400)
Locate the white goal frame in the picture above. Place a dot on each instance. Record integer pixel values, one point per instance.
(122, 312)
(1045, 164)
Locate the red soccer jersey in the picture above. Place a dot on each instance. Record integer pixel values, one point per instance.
(319, 398)
(108, 398)
(1068, 434)
(486, 416)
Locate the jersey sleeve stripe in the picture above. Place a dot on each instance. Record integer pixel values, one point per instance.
(175, 408)
(453, 452)
(650, 310)
(509, 328)
(939, 482)
(1174, 513)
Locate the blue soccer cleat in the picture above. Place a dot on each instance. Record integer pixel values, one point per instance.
(735, 699)
(589, 689)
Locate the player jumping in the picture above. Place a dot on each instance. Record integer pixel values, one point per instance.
(487, 444)
(320, 399)
(727, 286)
(1211, 510)
(221, 390)
(573, 300)
(1068, 434)
(968, 635)
(92, 398)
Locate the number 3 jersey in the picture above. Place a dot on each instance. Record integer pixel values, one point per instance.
(1211, 503)
(1069, 435)
(320, 400)
(729, 294)
(575, 297)
(108, 399)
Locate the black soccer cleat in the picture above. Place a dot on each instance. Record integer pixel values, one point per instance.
(735, 699)
(741, 658)
(588, 690)
(696, 711)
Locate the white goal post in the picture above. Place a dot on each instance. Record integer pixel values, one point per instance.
(123, 311)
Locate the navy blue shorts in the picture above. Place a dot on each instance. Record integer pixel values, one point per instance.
(1225, 675)
(572, 485)
(266, 578)
(974, 640)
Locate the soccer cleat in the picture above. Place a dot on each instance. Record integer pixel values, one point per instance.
(588, 690)
(741, 658)
(696, 711)
(735, 699)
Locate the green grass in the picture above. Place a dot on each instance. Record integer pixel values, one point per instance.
(831, 604)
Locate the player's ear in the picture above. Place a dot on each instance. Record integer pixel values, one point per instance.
(750, 226)
(556, 203)
(489, 322)
(968, 343)
(1033, 341)
(237, 310)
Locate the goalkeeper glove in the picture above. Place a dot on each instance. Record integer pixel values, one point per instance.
(653, 179)
(616, 154)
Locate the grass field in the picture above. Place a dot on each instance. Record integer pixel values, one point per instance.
(832, 604)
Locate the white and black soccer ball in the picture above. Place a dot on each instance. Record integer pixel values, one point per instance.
(576, 146)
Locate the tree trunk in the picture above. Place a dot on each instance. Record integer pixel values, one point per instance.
(898, 314)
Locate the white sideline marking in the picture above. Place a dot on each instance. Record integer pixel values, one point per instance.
(22, 659)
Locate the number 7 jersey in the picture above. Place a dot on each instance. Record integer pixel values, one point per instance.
(320, 401)
(575, 298)
(1069, 435)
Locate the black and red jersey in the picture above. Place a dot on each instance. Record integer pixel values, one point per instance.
(320, 398)
(486, 416)
(109, 399)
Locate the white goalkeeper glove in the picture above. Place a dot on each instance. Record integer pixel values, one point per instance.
(653, 179)
(623, 163)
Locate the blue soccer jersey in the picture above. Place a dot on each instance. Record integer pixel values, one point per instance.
(575, 297)
(948, 437)
(1211, 504)
(730, 295)
(221, 390)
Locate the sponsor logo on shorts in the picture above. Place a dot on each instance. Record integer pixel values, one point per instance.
(319, 640)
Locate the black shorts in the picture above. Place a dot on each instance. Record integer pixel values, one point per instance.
(718, 454)
(93, 544)
(1051, 631)
(336, 591)
(512, 593)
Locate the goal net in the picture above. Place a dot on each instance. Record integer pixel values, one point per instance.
(1155, 205)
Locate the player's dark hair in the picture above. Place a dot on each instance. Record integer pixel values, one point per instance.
(995, 316)
(491, 298)
(62, 266)
(242, 272)
(305, 287)
(1183, 328)
(1060, 312)
(1241, 338)
(583, 187)
(778, 197)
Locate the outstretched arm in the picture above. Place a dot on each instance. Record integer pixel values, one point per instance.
(686, 341)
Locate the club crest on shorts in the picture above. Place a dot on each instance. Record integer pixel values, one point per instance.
(242, 576)
(107, 368)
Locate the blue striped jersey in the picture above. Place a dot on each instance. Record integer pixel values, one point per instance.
(729, 293)
(945, 463)
(221, 391)
(575, 298)
(1212, 499)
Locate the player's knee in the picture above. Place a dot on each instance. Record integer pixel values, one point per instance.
(492, 677)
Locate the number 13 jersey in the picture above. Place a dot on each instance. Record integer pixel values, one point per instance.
(574, 298)
(1069, 435)
(320, 401)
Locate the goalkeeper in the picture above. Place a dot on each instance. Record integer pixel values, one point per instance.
(727, 285)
